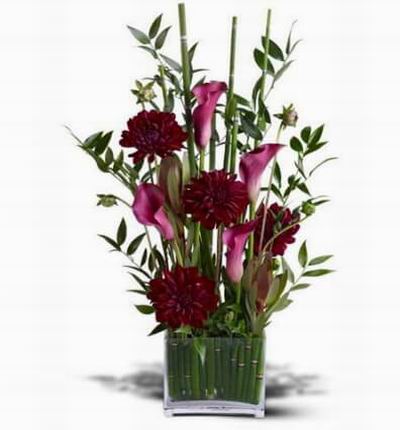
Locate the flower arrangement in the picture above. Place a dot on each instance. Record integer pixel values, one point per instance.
(200, 164)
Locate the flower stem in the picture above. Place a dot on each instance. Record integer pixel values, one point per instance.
(219, 257)
(163, 86)
(288, 227)
(230, 90)
(234, 143)
(186, 87)
(213, 145)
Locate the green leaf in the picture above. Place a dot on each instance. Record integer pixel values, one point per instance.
(118, 162)
(151, 51)
(282, 303)
(138, 280)
(155, 27)
(250, 128)
(282, 70)
(157, 329)
(259, 59)
(200, 347)
(91, 141)
(274, 50)
(303, 187)
(300, 287)
(315, 136)
(295, 144)
(102, 143)
(110, 241)
(320, 260)
(134, 245)
(314, 147)
(322, 163)
(121, 233)
(318, 272)
(145, 309)
(139, 35)
(144, 258)
(278, 174)
(289, 48)
(305, 134)
(141, 292)
(172, 63)
(161, 38)
(109, 157)
(191, 51)
(303, 254)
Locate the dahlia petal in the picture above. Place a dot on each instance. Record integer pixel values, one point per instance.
(207, 96)
(148, 208)
(253, 164)
(235, 239)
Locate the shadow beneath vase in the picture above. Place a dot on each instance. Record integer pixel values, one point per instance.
(281, 382)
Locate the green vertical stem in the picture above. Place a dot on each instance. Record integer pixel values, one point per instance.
(213, 145)
(247, 368)
(240, 370)
(171, 370)
(163, 86)
(218, 367)
(255, 352)
(186, 351)
(233, 371)
(175, 365)
(186, 87)
(260, 372)
(219, 257)
(195, 375)
(234, 143)
(210, 366)
(181, 367)
(226, 366)
(230, 90)
(265, 68)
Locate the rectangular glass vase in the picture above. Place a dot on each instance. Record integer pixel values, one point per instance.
(214, 375)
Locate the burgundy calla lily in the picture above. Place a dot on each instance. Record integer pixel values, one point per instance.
(207, 96)
(235, 239)
(148, 208)
(253, 164)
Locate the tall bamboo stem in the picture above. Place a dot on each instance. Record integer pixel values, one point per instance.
(186, 87)
(265, 68)
(230, 90)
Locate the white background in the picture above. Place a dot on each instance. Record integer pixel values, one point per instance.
(64, 312)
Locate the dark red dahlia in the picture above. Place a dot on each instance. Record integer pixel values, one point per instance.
(153, 133)
(183, 297)
(277, 219)
(215, 198)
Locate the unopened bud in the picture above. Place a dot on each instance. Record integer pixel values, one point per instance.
(308, 208)
(170, 181)
(106, 200)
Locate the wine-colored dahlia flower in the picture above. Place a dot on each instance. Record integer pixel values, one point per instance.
(277, 219)
(183, 297)
(153, 133)
(215, 198)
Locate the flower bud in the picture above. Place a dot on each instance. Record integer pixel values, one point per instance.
(106, 200)
(289, 116)
(170, 181)
(144, 93)
(308, 208)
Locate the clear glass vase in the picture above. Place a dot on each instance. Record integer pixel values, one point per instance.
(214, 375)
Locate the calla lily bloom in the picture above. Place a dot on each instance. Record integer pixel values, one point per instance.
(253, 164)
(207, 96)
(235, 240)
(148, 208)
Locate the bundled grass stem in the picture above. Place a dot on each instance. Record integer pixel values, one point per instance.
(232, 369)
